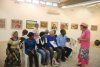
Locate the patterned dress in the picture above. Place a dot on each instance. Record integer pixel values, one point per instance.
(83, 56)
(13, 54)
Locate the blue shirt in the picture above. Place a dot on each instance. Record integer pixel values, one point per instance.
(50, 38)
(61, 40)
(29, 45)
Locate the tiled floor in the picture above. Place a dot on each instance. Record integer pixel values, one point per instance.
(94, 57)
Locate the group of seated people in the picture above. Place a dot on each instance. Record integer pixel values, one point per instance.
(46, 44)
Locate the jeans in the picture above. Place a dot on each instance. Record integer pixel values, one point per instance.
(45, 55)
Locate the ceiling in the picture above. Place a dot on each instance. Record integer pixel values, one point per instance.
(73, 2)
(62, 3)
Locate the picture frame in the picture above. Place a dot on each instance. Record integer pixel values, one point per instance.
(64, 26)
(43, 24)
(30, 24)
(2, 23)
(74, 26)
(94, 27)
(16, 24)
(54, 25)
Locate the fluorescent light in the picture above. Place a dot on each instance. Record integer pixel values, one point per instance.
(35, 1)
(49, 3)
(20, 0)
(28, 1)
(42, 2)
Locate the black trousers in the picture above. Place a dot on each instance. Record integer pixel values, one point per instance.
(31, 56)
(51, 50)
(66, 51)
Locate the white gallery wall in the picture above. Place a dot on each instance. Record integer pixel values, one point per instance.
(9, 9)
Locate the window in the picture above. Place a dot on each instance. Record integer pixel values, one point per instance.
(42, 2)
(55, 4)
(28, 1)
(20, 0)
(49, 3)
(35, 1)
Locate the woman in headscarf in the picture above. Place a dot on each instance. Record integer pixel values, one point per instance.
(12, 51)
(83, 57)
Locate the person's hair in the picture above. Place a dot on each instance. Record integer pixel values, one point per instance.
(46, 31)
(84, 27)
(30, 34)
(62, 30)
(41, 34)
(54, 31)
(36, 24)
(24, 32)
(14, 33)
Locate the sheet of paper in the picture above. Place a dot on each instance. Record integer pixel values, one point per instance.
(53, 43)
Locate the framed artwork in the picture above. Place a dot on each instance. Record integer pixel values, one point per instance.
(54, 25)
(64, 26)
(30, 24)
(43, 24)
(94, 27)
(2, 23)
(16, 24)
(74, 26)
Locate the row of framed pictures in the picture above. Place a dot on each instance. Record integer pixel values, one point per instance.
(17, 24)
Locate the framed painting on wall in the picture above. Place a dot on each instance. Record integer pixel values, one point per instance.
(94, 27)
(43, 24)
(64, 26)
(74, 26)
(54, 25)
(16, 24)
(2, 23)
(30, 24)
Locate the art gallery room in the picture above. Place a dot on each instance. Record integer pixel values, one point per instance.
(74, 24)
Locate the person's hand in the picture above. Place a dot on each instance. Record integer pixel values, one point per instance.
(79, 40)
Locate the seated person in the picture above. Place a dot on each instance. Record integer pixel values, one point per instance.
(12, 51)
(30, 44)
(51, 41)
(61, 41)
(41, 45)
(24, 36)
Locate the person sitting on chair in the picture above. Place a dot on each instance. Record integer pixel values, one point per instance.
(41, 45)
(52, 46)
(30, 44)
(61, 41)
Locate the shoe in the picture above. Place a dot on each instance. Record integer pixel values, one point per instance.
(79, 64)
(56, 63)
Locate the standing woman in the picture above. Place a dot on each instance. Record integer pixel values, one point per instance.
(30, 44)
(83, 57)
(12, 51)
